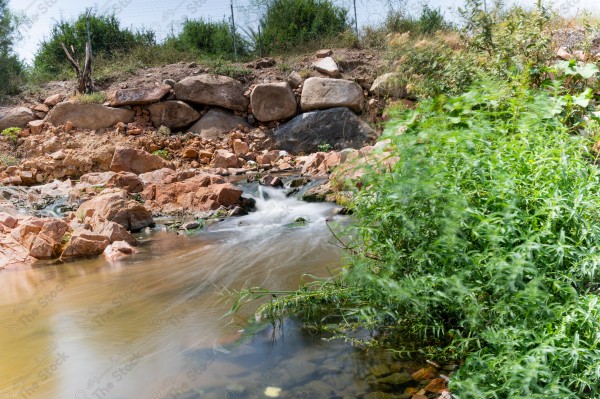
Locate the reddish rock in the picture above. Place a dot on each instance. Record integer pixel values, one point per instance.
(240, 147)
(48, 243)
(12, 253)
(96, 178)
(224, 159)
(111, 230)
(118, 250)
(7, 220)
(114, 205)
(437, 385)
(189, 153)
(426, 373)
(27, 230)
(128, 181)
(85, 243)
(53, 100)
(200, 193)
(272, 181)
(36, 126)
(137, 161)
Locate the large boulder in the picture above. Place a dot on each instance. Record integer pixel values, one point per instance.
(138, 95)
(200, 193)
(387, 85)
(273, 101)
(137, 161)
(88, 116)
(206, 89)
(114, 205)
(324, 93)
(338, 127)
(172, 114)
(85, 243)
(215, 123)
(15, 117)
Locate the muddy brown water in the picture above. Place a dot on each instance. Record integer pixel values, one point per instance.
(152, 325)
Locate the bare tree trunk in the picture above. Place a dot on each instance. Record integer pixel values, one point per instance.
(85, 84)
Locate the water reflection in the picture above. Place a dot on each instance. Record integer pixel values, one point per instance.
(151, 326)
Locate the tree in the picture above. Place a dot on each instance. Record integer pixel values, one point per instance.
(11, 67)
(107, 38)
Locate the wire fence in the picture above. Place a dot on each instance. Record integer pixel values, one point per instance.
(166, 18)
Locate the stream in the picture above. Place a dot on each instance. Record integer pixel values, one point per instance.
(152, 325)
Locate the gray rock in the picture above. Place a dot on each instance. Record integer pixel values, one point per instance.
(172, 114)
(215, 123)
(295, 79)
(328, 67)
(273, 101)
(15, 117)
(324, 93)
(387, 85)
(221, 91)
(88, 116)
(338, 127)
(138, 96)
(190, 225)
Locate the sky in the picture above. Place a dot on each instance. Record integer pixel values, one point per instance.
(164, 16)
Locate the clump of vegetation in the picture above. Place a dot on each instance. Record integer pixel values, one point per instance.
(212, 38)
(11, 134)
(289, 23)
(324, 147)
(98, 97)
(164, 153)
(8, 159)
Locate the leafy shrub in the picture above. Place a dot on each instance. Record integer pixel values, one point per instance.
(482, 242)
(165, 154)
(213, 38)
(11, 133)
(107, 37)
(288, 23)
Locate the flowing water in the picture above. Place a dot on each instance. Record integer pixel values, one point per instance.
(152, 325)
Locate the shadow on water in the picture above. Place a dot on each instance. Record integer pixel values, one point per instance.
(151, 325)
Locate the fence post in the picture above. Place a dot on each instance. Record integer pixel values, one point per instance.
(233, 30)
(355, 20)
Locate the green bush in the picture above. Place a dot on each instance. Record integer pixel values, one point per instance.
(11, 133)
(212, 38)
(107, 38)
(289, 23)
(482, 242)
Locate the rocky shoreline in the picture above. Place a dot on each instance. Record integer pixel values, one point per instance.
(111, 168)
